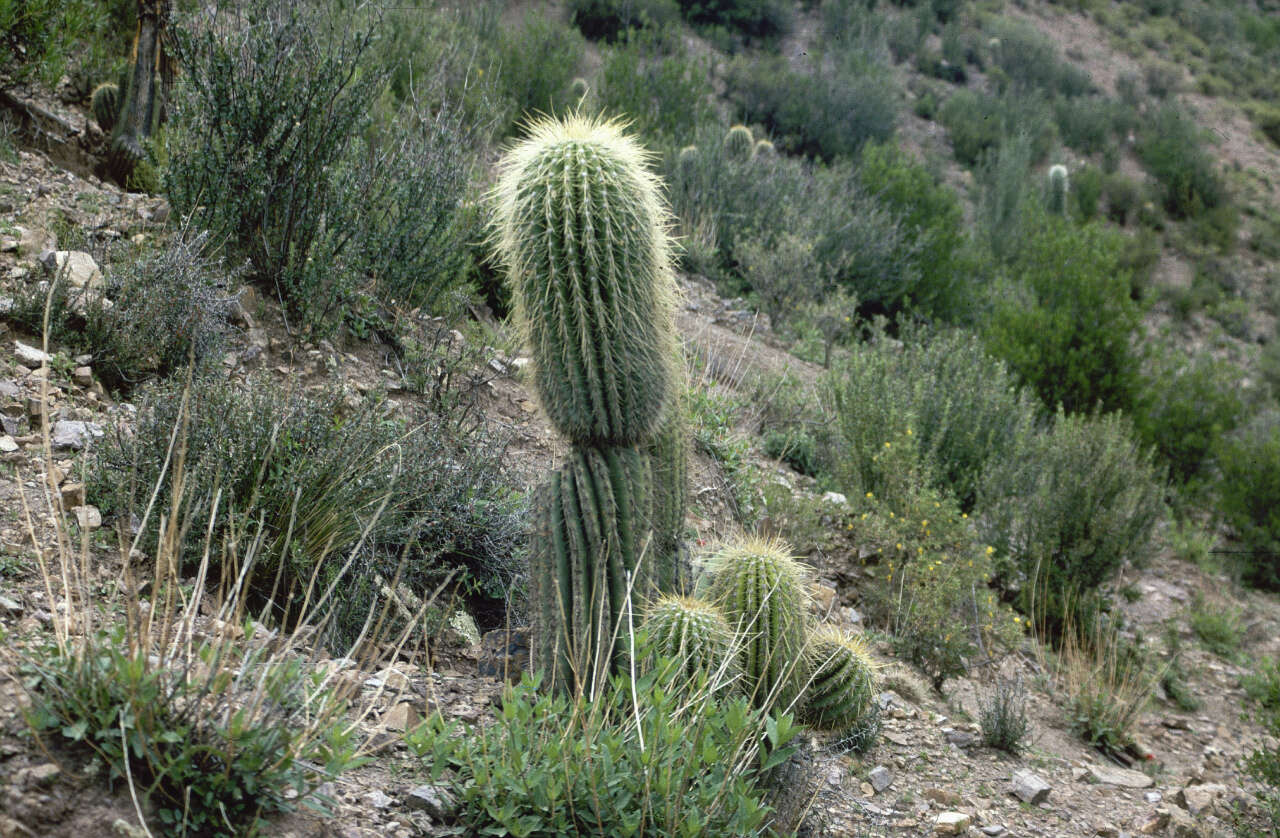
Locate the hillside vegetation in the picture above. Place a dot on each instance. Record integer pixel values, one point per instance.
(906, 374)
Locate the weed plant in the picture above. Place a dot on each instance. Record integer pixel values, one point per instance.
(1002, 714)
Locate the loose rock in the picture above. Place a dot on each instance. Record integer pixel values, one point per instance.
(437, 802)
(1029, 787)
(881, 778)
(951, 823)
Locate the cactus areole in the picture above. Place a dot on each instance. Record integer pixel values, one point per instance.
(581, 230)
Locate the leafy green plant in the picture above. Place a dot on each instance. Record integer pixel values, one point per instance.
(754, 19)
(1066, 508)
(1174, 678)
(1172, 149)
(762, 592)
(1263, 684)
(1002, 714)
(636, 761)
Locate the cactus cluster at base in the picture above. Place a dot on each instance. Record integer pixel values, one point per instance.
(842, 679)
(693, 633)
(761, 590)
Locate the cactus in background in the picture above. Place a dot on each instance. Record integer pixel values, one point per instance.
(1058, 189)
(761, 590)
(739, 144)
(105, 104)
(764, 150)
(694, 633)
(581, 230)
(578, 89)
(842, 680)
(146, 88)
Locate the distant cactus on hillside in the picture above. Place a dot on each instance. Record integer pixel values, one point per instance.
(1058, 189)
(739, 143)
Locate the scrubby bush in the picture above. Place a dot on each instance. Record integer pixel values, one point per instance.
(269, 152)
(1086, 189)
(979, 123)
(310, 472)
(1171, 146)
(1249, 498)
(607, 20)
(1066, 508)
(539, 59)
(662, 91)
(555, 766)
(1002, 714)
(1066, 322)
(1188, 406)
(1030, 61)
(828, 111)
(960, 405)
(753, 19)
(782, 269)
(154, 312)
(1218, 627)
(1106, 684)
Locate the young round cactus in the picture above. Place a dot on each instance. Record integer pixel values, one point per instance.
(739, 143)
(692, 632)
(764, 150)
(578, 89)
(582, 232)
(105, 104)
(762, 591)
(842, 679)
(1058, 189)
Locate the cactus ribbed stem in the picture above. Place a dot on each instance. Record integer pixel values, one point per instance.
(842, 682)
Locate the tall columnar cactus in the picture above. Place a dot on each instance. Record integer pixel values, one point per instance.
(581, 230)
(738, 143)
(105, 104)
(1058, 189)
(695, 634)
(842, 679)
(761, 590)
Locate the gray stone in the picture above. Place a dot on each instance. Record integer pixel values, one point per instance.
(76, 266)
(7, 444)
(436, 801)
(880, 778)
(1029, 787)
(10, 607)
(960, 738)
(74, 435)
(1114, 775)
(835, 497)
(378, 800)
(83, 376)
(29, 356)
(994, 829)
(1196, 799)
(1152, 797)
(9, 388)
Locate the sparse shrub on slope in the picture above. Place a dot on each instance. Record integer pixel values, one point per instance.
(608, 20)
(1172, 148)
(1066, 508)
(1249, 498)
(656, 85)
(538, 60)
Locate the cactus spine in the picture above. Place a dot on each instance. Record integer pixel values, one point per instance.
(693, 633)
(105, 104)
(739, 143)
(761, 590)
(842, 680)
(1058, 189)
(580, 228)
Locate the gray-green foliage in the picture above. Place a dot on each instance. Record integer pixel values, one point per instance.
(1067, 507)
(962, 406)
(654, 82)
(762, 592)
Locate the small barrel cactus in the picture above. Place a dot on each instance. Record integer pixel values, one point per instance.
(739, 143)
(842, 680)
(578, 89)
(765, 150)
(693, 633)
(581, 229)
(762, 591)
(1058, 189)
(105, 104)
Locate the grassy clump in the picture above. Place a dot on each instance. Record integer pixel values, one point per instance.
(1002, 714)
(1219, 629)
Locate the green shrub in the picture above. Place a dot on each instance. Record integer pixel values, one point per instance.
(41, 36)
(1008, 204)
(1218, 628)
(1066, 508)
(782, 270)
(213, 743)
(795, 448)
(1263, 684)
(1171, 146)
(753, 19)
(1030, 61)
(310, 471)
(155, 312)
(1249, 499)
(1086, 189)
(825, 111)
(1067, 324)
(1090, 124)
(1002, 714)
(979, 123)
(665, 96)
(933, 221)
(552, 766)
(961, 406)
(1188, 406)
(608, 20)
(539, 59)
(1124, 196)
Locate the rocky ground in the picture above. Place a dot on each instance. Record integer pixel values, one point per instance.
(929, 773)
